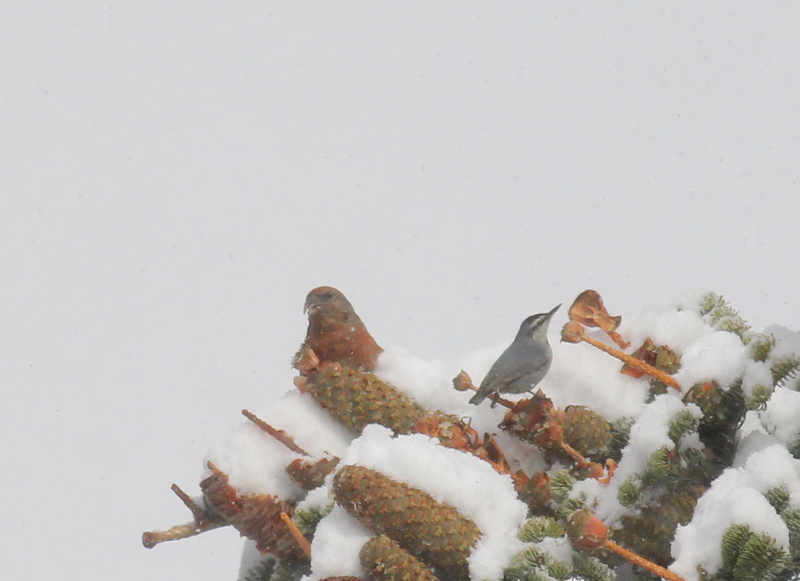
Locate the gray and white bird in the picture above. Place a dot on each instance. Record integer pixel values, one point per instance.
(523, 365)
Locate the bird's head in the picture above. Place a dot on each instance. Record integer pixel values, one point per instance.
(535, 326)
(328, 301)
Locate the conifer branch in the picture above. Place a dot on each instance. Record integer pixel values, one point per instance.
(588, 532)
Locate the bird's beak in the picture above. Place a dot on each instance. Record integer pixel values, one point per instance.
(551, 313)
(311, 306)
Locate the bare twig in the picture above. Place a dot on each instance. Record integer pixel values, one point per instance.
(203, 521)
(199, 514)
(297, 534)
(641, 561)
(573, 332)
(152, 538)
(586, 531)
(463, 382)
(636, 363)
(279, 435)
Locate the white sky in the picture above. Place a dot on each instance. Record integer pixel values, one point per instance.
(175, 177)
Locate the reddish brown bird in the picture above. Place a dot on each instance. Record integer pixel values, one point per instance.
(336, 333)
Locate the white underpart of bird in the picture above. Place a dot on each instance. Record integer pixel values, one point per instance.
(523, 364)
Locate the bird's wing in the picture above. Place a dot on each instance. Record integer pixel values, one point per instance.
(513, 365)
(505, 372)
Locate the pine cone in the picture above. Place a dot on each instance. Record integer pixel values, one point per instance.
(257, 516)
(587, 431)
(310, 475)
(357, 398)
(526, 419)
(433, 532)
(536, 493)
(537, 421)
(385, 560)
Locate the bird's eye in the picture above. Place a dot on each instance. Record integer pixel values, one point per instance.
(327, 296)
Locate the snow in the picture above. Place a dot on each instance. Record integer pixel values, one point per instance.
(320, 498)
(251, 557)
(558, 548)
(337, 542)
(430, 383)
(596, 382)
(706, 355)
(256, 462)
(648, 434)
(729, 504)
(176, 177)
(788, 341)
(780, 417)
(674, 325)
(736, 497)
(452, 477)
(311, 427)
(718, 356)
(580, 374)
(425, 381)
(756, 373)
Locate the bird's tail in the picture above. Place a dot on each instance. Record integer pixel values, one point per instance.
(479, 397)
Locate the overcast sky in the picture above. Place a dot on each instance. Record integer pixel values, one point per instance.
(175, 177)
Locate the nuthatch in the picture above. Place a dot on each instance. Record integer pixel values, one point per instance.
(523, 365)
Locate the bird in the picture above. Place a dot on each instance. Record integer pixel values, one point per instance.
(336, 333)
(523, 364)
